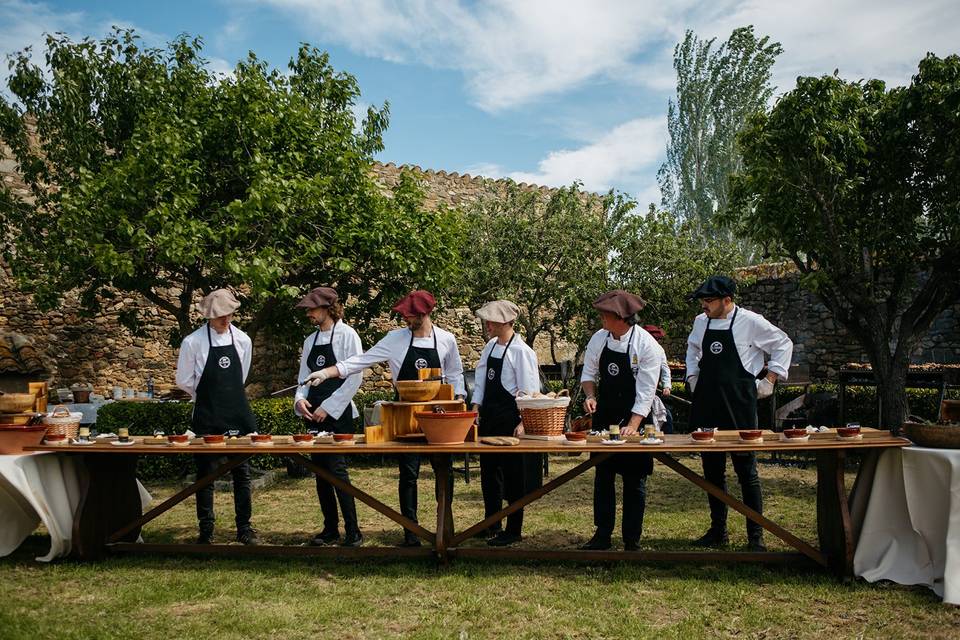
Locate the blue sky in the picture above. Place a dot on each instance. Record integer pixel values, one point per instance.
(540, 91)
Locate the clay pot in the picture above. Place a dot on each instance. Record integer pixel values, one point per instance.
(446, 428)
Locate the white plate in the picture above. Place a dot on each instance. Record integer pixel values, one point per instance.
(117, 443)
(652, 441)
(695, 441)
(268, 443)
(613, 442)
(754, 441)
(859, 436)
(784, 438)
(574, 443)
(304, 443)
(82, 444)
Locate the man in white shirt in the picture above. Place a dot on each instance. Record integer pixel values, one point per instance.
(212, 367)
(420, 345)
(662, 416)
(507, 366)
(328, 406)
(620, 372)
(726, 373)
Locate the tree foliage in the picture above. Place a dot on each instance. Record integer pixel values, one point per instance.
(545, 252)
(151, 174)
(858, 186)
(718, 88)
(662, 260)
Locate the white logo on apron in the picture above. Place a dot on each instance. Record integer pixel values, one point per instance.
(490, 374)
(613, 369)
(421, 363)
(224, 362)
(716, 347)
(321, 360)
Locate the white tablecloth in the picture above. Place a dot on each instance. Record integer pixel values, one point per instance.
(911, 530)
(40, 487)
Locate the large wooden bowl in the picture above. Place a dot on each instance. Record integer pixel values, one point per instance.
(16, 402)
(418, 390)
(446, 428)
(13, 438)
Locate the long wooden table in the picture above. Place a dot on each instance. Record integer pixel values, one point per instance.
(109, 517)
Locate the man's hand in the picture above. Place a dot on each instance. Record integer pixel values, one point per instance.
(518, 431)
(319, 415)
(692, 383)
(590, 405)
(304, 408)
(316, 378)
(665, 392)
(765, 386)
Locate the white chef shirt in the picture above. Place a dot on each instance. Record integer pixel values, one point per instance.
(754, 336)
(194, 350)
(346, 343)
(645, 357)
(392, 349)
(520, 372)
(665, 378)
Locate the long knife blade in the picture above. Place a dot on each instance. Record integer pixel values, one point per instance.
(285, 389)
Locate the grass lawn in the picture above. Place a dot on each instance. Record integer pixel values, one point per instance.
(188, 597)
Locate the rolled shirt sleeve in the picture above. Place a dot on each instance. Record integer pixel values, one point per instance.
(591, 357)
(695, 346)
(774, 341)
(648, 372)
(384, 351)
(186, 376)
(526, 369)
(304, 371)
(452, 364)
(348, 345)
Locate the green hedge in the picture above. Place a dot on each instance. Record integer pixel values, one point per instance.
(274, 415)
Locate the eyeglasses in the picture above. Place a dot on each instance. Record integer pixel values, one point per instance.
(709, 300)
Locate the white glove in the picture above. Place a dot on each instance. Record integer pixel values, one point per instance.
(316, 378)
(764, 388)
(692, 381)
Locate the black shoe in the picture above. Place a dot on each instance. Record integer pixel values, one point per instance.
(712, 538)
(597, 543)
(205, 537)
(488, 533)
(756, 545)
(352, 539)
(410, 540)
(248, 537)
(631, 545)
(325, 537)
(504, 539)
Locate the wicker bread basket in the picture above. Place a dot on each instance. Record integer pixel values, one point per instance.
(542, 415)
(62, 421)
(935, 436)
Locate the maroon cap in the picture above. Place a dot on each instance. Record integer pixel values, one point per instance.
(319, 297)
(655, 331)
(416, 303)
(620, 303)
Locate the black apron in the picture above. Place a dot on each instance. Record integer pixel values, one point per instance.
(726, 393)
(221, 403)
(616, 393)
(499, 415)
(419, 358)
(322, 356)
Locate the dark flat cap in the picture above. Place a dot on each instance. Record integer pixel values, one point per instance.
(319, 297)
(654, 331)
(415, 303)
(620, 303)
(715, 287)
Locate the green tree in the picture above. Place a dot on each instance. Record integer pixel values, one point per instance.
(547, 252)
(717, 90)
(663, 260)
(858, 186)
(150, 174)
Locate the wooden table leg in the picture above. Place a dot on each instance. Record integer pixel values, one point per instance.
(833, 513)
(441, 467)
(109, 499)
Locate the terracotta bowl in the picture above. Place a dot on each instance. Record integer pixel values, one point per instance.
(848, 432)
(342, 437)
(795, 433)
(576, 436)
(55, 438)
(261, 437)
(214, 439)
(751, 434)
(303, 437)
(702, 435)
(446, 428)
(178, 438)
(417, 390)
(14, 439)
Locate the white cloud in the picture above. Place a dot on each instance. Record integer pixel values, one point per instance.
(512, 53)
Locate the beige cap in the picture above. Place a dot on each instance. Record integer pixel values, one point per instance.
(219, 303)
(499, 311)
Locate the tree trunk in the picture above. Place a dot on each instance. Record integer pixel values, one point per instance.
(891, 378)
